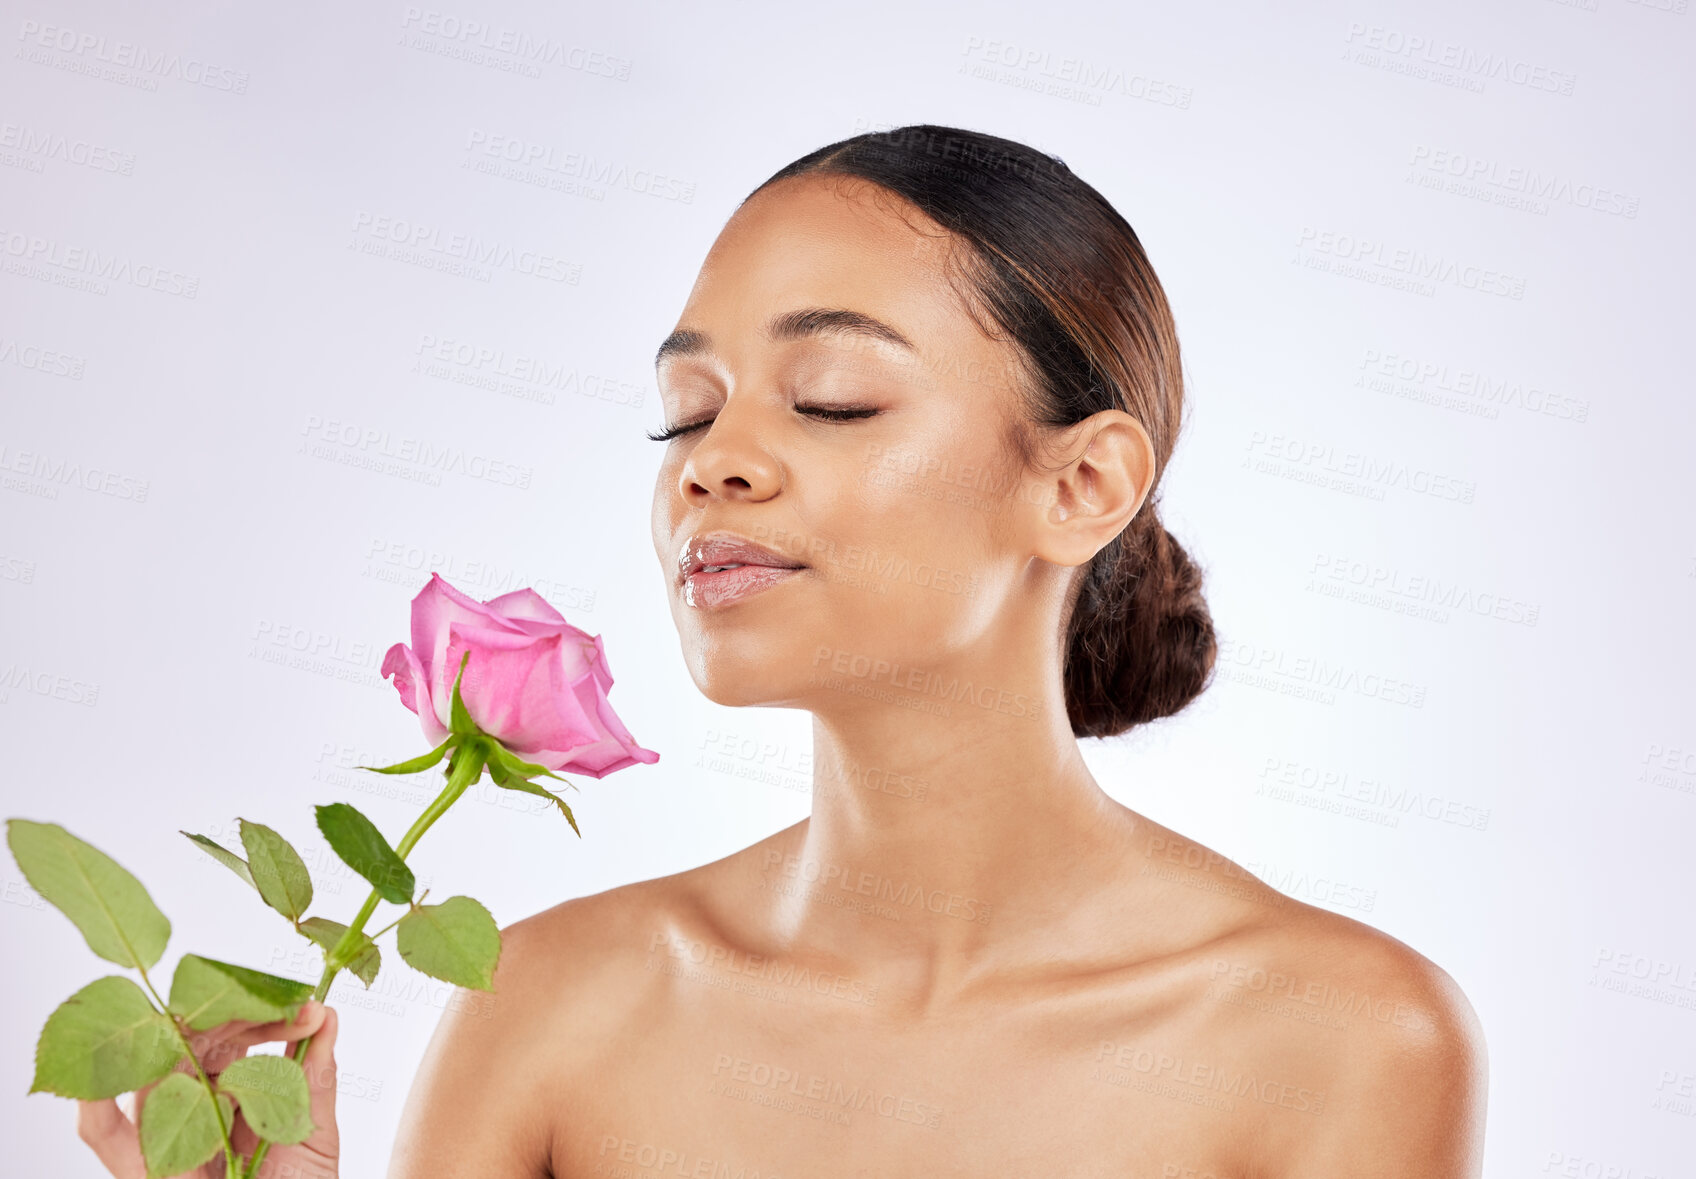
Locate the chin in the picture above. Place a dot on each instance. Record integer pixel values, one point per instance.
(745, 674)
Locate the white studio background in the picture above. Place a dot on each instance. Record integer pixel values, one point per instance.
(1430, 268)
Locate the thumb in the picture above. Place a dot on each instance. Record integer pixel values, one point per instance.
(111, 1136)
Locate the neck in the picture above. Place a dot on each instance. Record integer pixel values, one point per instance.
(936, 840)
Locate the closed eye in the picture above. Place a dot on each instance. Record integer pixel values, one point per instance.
(825, 412)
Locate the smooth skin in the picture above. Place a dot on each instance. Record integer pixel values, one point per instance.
(969, 959)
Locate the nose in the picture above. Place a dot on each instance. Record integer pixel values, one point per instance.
(729, 462)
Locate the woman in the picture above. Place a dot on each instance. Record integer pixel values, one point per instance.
(918, 404)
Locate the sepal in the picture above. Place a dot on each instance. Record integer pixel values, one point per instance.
(515, 765)
(459, 717)
(512, 781)
(420, 763)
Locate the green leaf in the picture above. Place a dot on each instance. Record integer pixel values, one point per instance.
(278, 871)
(224, 856)
(512, 781)
(111, 908)
(179, 1125)
(273, 1095)
(362, 847)
(328, 934)
(206, 993)
(106, 1039)
(456, 941)
(518, 766)
(459, 717)
(420, 763)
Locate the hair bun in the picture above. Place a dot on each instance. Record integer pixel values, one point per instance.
(1140, 644)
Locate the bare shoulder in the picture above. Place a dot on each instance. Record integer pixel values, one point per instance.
(1366, 1057)
(572, 983)
(585, 946)
(577, 967)
(484, 1099)
(1385, 1039)
(1406, 1071)
(1397, 1001)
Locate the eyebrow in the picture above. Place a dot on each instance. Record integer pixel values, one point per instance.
(803, 324)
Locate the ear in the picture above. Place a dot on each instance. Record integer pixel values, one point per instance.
(1083, 505)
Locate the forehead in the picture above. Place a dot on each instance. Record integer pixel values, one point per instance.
(825, 241)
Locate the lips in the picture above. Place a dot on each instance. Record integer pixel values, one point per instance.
(720, 549)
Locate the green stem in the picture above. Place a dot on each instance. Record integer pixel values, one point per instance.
(230, 1168)
(465, 768)
(396, 921)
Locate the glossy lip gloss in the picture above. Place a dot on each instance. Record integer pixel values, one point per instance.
(710, 591)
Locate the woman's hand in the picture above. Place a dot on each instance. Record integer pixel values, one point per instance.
(114, 1137)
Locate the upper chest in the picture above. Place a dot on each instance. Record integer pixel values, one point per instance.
(752, 1070)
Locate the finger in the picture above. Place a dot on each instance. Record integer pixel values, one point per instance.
(320, 1066)
(243, 1031)
(305, 1022)
(112, 1137)
(216, 1054)
(215, 1047)
(245, 1137)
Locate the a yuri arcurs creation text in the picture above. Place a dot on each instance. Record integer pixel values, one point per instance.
(506, 685)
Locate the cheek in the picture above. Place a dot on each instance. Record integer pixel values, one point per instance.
(916, 553)
(940, 509)
(662, 516)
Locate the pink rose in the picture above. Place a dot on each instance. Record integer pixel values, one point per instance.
(535, 683)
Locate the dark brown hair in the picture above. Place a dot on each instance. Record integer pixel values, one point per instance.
(1063, 274)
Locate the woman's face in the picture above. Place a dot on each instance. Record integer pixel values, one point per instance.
(911, 522)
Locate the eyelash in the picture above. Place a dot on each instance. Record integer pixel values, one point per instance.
(827, 413)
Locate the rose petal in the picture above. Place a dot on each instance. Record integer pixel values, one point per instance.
(596, 760)
(526, 604)
(507, 688)
(413, 687)
(618, 748)
(603, 672)
(537, 628)
(571, 726)
(402, 664)
(593, 740)
(437, 606)
(479, 693)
